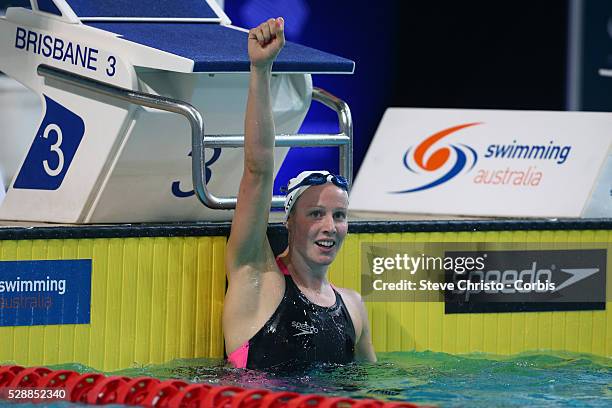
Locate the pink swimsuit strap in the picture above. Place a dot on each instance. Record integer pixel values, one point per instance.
(283, 268)
(281, 265)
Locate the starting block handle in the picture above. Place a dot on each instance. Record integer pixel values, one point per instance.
(200, 141)
(343, 139)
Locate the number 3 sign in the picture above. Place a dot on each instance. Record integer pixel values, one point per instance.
(53, 149)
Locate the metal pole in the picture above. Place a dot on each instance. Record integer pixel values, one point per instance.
(199, 141)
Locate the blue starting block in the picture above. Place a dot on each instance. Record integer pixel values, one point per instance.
(143, 108)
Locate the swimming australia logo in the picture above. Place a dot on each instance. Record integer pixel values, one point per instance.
(304, 328)
(422, 159)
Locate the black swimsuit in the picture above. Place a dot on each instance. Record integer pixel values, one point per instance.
(300, 332)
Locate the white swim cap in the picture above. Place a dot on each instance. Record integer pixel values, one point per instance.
(305, 179)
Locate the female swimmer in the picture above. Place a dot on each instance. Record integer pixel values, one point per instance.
(284, 311)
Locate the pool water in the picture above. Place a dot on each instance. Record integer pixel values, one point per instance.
(562, 379)
(475, 380)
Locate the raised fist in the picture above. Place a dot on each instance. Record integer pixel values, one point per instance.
(266, 41)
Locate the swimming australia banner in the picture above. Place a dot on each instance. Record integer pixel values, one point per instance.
(45, 292)
(483, 162)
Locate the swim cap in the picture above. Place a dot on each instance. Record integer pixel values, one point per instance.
(294, 193)
(305, 179)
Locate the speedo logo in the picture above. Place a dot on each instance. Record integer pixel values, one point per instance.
(304, 328)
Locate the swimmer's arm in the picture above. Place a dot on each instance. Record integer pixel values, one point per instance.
(364, 349)
(248, 233)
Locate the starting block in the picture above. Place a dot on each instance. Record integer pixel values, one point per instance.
(143, 110)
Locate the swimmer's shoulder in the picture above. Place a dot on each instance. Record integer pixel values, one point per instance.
(349, 294)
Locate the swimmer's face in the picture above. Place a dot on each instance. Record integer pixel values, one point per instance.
(317, 224)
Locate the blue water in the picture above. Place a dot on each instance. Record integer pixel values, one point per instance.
(475, 380)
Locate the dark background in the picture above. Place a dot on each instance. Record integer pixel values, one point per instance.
(437, 54)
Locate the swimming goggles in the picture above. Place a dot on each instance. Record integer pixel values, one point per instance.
(315, 179)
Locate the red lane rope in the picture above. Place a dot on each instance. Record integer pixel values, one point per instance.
(249, 399)
(135, 391)
(105, 391)
(57, 379)
(190, 396)
(8, 374)
(97, 389)
(78, 387)
(163, 392)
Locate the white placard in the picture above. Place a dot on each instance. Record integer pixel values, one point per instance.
(90, 158)
(483, 162)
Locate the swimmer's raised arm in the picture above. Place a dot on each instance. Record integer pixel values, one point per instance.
(248, 235)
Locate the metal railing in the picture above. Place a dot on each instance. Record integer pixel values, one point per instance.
(200, 141)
